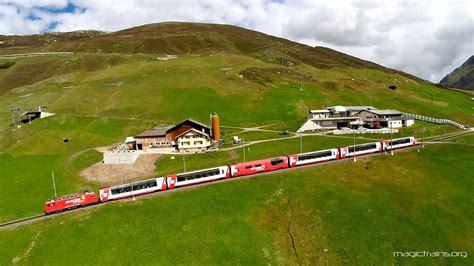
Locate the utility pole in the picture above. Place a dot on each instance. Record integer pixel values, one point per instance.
(243, 147)
(353, 147)
(301, 142)
(423, 138)
(184, 162)
(391, 138)
(15, 117)
(121, 177)
(13, 120)
(133, 196)
(54, 184)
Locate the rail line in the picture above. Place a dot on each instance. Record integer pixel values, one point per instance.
(41, 217)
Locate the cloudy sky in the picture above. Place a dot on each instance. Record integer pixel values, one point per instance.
(425, 38)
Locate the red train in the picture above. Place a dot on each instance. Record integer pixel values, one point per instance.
(70, 202)
(208, 175)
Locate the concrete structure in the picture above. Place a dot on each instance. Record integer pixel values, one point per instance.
(121, 157)
(348, 111)
(381, 118)
(166, 57)
(437, 121)
(150, 139)
(365, 131)
(333, 117)
(337, 117)
(32, 115)
(316, 114)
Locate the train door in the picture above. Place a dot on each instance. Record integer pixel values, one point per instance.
(343, 152)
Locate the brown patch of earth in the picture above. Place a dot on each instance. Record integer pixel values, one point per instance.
(108, 174)
(233, 154)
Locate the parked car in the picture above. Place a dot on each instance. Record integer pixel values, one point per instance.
(212, 150)
(284, 132)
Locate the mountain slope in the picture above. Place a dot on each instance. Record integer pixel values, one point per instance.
(112, 87)
(189, 38)
(462, 77)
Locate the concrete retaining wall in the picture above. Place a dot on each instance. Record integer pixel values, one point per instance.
(367, 131)
(120, 157)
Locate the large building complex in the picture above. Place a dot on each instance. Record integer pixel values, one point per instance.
(337, 117)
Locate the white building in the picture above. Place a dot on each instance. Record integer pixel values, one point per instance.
(193, 140)
(337, 117)
(333, 118)
(381, 118)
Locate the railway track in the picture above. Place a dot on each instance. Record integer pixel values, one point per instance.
(42, 217)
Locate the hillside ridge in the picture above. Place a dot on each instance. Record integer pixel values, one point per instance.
(461, 77)
(191, 38)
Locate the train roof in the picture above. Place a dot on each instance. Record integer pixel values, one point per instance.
(201, 170)
(130, 183)
(70, 196)
(262, 160)
(316, 151)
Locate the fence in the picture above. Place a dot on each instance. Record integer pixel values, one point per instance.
(437, 121)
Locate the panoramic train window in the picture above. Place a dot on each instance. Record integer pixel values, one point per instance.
(133, 187)
(363, 147)
(145, 184)
(314, 155)
(201, 174)
(399, 141)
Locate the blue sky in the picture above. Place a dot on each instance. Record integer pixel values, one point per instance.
(425, 38)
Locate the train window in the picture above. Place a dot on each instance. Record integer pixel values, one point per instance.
(399, 141)
(133, 187)
(200, 174)
(363, 147)
(314, 155)
(248, 167)
(276, 161)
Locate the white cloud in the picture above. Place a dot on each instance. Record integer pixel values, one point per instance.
(424, 38)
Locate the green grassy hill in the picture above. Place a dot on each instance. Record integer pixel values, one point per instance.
(111, 87)
(356, 213)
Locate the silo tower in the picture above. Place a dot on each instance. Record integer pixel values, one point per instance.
(215, 132)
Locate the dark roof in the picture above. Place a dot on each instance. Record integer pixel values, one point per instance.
(191, 121)
(151, 133)
(192, 129)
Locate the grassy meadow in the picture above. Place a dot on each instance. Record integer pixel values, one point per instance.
(102, 98)
(343, 213)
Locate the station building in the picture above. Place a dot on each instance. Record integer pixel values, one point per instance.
(337, 117)
(186, 136)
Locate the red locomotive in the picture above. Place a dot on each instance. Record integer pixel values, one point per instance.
(70, 202)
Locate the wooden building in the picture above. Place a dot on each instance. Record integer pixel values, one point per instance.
(151, 139)
(188, 135)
